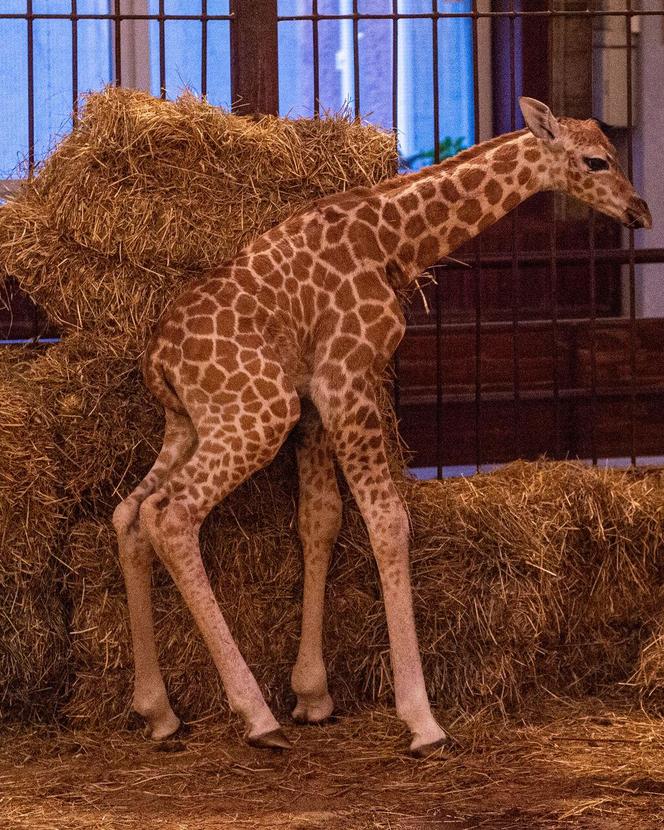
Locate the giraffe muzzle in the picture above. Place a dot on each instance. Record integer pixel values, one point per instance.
(637, 215)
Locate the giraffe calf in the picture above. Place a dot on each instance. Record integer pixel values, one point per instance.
(298, 329)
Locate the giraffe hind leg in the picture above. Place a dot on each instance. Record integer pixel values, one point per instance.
(226, 455)
(319, 521)
(136, 555)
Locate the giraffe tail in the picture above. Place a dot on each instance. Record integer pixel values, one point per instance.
(159, 385)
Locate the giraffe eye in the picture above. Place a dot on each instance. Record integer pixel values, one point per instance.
(596, 164)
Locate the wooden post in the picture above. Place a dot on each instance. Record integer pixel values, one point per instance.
(254, 57)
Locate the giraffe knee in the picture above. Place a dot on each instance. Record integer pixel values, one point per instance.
(165, 520)
(125, 516)
(134, 549)
(320, 518)
(389, 530)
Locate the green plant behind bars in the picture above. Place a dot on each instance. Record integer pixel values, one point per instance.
(446, 147)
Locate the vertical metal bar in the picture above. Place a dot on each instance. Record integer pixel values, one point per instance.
(395, 65)
(593, 339)
(632, 273)
(439, 376)
(31, 89)
(162, 51)
(356, 60)
(314, 11)
(117, 37)
(31, 120)
(395, 115)
(436, 95)
(204, 46)
(477, 268)
(439, 289)
(516, 292)
(74, 61)
(553, 287)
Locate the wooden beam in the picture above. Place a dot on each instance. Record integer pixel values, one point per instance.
(254, 57)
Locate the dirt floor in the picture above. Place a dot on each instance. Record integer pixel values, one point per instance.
(591, 765)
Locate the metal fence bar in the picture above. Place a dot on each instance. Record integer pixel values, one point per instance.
(576, 393)
(593, 337)
(396, 387)
(31, 88)
(477, 264)
(111, 16)
(516, 289)
(439, 283)
(488, 15)
(553, 292)
(162, 50)
(316, 57)
(204, 47)
(356, 61)
(74, 61)
(117, 38)
(522, 13)
(632, 271)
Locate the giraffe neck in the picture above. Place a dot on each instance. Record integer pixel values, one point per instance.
(431, 213)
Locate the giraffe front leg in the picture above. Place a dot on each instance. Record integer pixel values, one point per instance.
(319, 521)
(357, 439)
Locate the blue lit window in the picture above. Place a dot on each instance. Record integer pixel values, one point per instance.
(415, 69)
(182, 59)
(53, 82)
(52, 64)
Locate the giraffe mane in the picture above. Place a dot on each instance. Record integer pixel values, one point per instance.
(398, 181)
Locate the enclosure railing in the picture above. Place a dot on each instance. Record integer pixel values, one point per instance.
(548, 335)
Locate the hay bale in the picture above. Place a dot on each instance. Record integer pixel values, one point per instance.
(549, 571)
(108, 427)
(34, 643)
(145, 193)
(499, 561)
(649, 675)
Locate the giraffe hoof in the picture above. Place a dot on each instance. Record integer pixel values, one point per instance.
(276, 739)
(426, 750)
(163, 729)
(313, 713)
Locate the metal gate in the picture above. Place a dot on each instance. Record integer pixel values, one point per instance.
(548, 336)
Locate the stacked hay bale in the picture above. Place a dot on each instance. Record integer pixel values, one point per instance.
(144, 194)
(524, 580)
(34, 642)
(536, 576)
(141, 197)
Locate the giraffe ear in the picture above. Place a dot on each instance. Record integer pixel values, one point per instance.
(540, 120)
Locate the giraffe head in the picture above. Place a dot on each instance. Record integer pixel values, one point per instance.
(588, 167)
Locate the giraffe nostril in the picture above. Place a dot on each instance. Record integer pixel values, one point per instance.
(638, 215)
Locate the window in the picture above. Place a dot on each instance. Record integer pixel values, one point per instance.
(73, 56)
(410, 57)
(181, 60)
(53, 76)
(168, 43)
